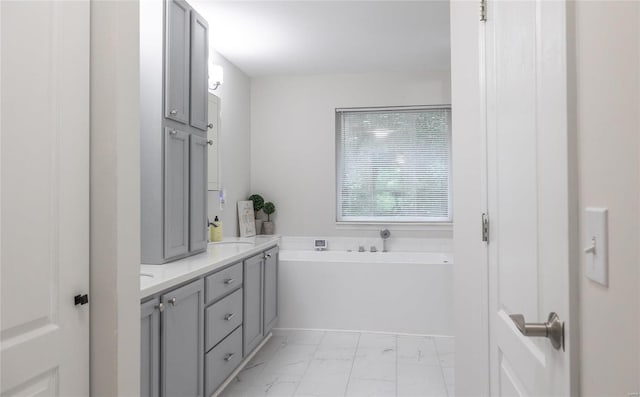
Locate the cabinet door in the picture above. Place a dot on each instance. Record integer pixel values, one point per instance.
(198, 193)
(176, 193)
(176, 84)
(150, 349)
(270, 289)
(183, 341)
(212, 135)
(199, 71)
(252, 303)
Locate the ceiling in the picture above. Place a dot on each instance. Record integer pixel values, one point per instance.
(317, 37)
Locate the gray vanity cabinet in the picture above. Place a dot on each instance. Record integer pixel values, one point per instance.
(176, 193)
(176, 92)
(270, 314)
(252, 303)
(150, 348)
(199, 71)
(194, 336)
(198, 193)
(183, 341)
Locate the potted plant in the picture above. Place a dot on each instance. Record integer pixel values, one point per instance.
(258, 204)
(269, 208)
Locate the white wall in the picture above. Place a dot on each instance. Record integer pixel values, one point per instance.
(607, 93)
(234, 143)
(115, 199)
(293, 138)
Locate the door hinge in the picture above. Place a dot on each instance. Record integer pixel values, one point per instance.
(485, 228)
(483, 10)
(81, 299)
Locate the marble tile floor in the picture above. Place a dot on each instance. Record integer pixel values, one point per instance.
(318, 363)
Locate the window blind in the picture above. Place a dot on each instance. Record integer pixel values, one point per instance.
(393, 164)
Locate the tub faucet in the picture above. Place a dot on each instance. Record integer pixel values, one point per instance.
(385, 234)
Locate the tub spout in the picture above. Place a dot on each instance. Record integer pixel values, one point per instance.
(384, 234)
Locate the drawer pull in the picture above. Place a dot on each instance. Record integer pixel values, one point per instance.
(229, 316)
(229, 356)
(229, 281)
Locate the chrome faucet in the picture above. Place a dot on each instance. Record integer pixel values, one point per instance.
(385, 234)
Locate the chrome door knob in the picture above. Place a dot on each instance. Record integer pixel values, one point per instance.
(210, 125)
(210, 142)
(173, 111)
(553, 329)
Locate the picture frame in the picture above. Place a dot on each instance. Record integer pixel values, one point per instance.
(246, 219)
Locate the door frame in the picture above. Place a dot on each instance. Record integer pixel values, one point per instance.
(471, 277)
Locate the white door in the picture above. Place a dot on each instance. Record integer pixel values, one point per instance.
(528, 193)
(44, 119)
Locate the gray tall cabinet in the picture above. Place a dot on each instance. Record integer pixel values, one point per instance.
(173, 124)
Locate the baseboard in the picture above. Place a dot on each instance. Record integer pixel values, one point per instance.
(275, 330)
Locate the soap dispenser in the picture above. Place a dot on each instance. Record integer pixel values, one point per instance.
(215, 230)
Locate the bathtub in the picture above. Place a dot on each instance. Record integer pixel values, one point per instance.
(395, 292)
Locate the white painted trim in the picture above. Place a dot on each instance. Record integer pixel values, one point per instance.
(115, 200)
(361, 331)
(420, 226)
(471, 321)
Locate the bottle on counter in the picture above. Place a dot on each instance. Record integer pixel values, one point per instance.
(215, 230)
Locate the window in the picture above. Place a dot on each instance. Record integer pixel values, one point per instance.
(393, 164)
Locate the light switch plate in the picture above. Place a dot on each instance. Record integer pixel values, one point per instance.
(597, 261)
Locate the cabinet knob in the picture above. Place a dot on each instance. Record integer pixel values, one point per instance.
(210, 142)
(229, 356)
(267, 256)
(173, 111)
(210, 125)
(173, 132)
(160, 307)
(229, 316)
(229, 281)
(172, 301)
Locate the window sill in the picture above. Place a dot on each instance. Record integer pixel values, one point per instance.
(427, 226)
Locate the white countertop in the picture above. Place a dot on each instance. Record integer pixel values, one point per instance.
(156, 278)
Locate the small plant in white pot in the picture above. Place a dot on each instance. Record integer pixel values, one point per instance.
(268, 226)
(258, 204)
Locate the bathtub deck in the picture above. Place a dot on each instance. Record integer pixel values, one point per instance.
(317, 363)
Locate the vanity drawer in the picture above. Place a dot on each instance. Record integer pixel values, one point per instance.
(220, 362)
(222, 282)
(221, 318)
